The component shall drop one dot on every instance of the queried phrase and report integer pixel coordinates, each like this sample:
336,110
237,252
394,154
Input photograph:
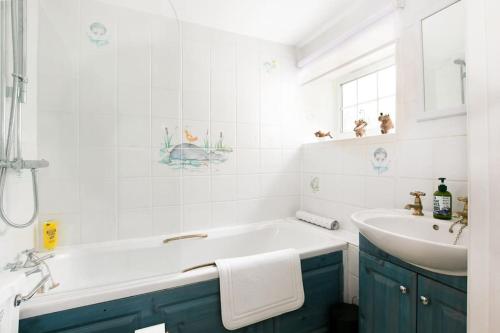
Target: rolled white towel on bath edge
321,221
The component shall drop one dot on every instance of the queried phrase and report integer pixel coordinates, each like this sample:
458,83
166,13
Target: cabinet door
387,297
441,309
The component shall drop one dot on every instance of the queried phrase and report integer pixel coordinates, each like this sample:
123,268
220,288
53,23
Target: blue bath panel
195,308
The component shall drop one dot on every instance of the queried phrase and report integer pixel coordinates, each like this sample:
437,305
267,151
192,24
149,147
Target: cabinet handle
403,290
424,300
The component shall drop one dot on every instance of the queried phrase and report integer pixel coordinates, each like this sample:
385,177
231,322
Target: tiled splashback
340,178
139,147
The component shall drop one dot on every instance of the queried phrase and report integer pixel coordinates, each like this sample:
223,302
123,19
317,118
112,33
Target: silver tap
33,264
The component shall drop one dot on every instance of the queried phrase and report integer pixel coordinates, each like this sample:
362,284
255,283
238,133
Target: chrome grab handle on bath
403,290
198,266
424,300
171,239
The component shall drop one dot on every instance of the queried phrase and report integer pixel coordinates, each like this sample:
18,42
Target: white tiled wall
103,110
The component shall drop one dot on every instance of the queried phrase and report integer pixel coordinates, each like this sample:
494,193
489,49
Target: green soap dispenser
442,202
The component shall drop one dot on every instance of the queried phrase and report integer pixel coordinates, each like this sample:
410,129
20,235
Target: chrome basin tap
417,205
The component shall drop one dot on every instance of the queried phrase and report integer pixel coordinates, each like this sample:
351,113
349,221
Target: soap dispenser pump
442,202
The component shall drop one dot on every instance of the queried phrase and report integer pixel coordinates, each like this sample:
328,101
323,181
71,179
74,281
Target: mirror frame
428,115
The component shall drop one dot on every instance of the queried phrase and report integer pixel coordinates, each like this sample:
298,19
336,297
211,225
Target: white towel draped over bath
259,287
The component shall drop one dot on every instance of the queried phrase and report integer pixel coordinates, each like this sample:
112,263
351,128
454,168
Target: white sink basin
415,240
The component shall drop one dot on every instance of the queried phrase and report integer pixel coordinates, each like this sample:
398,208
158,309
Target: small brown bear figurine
360,127
385,123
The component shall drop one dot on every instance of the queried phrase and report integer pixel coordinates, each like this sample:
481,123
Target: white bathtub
91,274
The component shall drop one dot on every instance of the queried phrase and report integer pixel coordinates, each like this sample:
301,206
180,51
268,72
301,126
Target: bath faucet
32,260
417,205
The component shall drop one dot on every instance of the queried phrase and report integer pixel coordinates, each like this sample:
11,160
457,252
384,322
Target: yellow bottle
50,238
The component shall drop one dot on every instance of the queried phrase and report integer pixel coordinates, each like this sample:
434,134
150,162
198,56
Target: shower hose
11,156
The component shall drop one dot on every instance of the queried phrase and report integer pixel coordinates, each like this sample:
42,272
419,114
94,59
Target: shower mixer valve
24,164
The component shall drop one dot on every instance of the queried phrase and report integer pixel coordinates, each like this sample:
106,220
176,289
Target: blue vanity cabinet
441,309
396,297
387,296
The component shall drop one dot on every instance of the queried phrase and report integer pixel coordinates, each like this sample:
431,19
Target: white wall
103,113
483,71
19,197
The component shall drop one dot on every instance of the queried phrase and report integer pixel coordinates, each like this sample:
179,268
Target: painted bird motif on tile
190,137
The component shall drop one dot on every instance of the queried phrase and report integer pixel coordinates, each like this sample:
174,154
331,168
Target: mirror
443,41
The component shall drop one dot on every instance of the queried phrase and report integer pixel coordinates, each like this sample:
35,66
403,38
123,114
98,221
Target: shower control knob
403,290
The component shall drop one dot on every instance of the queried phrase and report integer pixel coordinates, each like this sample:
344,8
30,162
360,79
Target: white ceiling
285,21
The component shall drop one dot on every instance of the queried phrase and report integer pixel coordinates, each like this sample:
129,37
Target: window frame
353,76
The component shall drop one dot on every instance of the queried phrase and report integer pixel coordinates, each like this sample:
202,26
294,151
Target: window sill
348,138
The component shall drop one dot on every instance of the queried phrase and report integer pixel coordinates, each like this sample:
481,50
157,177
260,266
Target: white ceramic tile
224,214
249,211
133,162
165,103
135,223
248,187
330,187
167,220
379,192
276,184
196,189
134,193
224,188
97,163
97,130
196,217
196,105
98,226
133,131
58,196
270,136
291,160
355,161
133,98
352,190
248,160
223,96
450,158
166,191
49,96
248,135
97,195
415,158
271,160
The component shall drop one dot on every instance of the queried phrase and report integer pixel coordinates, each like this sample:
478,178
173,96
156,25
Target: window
366,97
